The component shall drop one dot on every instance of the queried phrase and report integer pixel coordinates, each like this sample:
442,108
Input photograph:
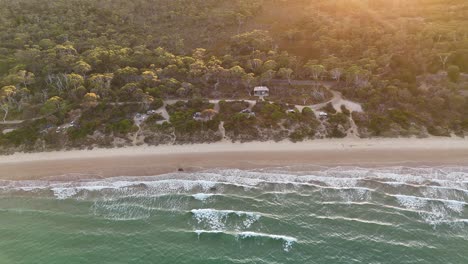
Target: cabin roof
261,88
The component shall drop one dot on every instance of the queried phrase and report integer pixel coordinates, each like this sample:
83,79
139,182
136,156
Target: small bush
329,109
124,126
345,110
338,119
438,131
157,103
336,133
154,118
308,114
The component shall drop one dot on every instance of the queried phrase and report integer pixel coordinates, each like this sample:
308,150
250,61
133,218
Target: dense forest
84,73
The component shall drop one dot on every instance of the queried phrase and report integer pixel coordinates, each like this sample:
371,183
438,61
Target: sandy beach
145,160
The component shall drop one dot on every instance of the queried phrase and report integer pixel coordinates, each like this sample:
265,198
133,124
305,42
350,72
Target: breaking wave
287,241
217,219
438,195
303,214
202,196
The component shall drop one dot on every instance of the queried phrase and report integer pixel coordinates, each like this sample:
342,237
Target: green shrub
336,133
85,128
345,110
227,109
27,134
400,117
157,103
338,119
453,73
378,124
438,131
154,118
308,114
328,108
123,127
296,136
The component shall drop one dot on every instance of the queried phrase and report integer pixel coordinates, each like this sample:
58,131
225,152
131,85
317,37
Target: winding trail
11,122
222,130
19,121
138,120
163,112
135,136
337,101
353,131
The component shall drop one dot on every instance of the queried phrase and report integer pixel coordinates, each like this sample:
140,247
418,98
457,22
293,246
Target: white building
323,115
261,91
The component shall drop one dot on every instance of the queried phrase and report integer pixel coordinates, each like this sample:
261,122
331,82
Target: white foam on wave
322,182
400,175
359,194
199,232
417,200
64,190
121,211
452,184
255,178
64,193
411,202
393,183
288,241
397,208
436,211
429,189
454,187
455,206
346,182
342,218
400,178
216,219
460,221
345,171
202,196
331,181
205,181
457,224
186,185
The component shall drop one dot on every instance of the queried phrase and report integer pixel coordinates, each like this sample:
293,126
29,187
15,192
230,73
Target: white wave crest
64,190
409,199
121,212
437,211
349,184
202,196
341,218
287,240
411,202
216,219
199,232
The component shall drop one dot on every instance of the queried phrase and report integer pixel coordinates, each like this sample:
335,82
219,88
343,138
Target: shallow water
285,215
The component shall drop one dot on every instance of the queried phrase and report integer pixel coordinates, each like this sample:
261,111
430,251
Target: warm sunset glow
233,131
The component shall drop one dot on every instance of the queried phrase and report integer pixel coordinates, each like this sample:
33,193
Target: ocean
305,214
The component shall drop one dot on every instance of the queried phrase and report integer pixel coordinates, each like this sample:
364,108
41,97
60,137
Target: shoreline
155,160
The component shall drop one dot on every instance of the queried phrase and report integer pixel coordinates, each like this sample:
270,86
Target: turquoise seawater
286,215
